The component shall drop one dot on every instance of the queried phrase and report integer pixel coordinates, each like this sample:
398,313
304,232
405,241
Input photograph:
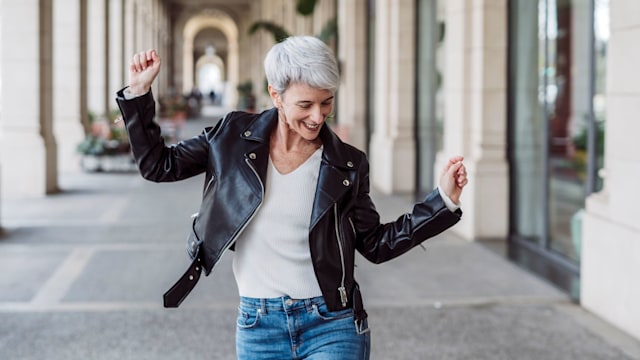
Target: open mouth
312,126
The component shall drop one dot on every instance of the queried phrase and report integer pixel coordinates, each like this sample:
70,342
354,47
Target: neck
288,140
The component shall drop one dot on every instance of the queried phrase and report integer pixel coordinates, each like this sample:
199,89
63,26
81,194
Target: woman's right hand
144,68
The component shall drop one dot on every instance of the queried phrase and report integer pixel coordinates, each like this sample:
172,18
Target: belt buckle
361,326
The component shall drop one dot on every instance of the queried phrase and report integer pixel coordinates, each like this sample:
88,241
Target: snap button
247,133
349,164
190,277
346,182
252,156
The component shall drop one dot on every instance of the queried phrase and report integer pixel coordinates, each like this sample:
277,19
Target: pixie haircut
301,59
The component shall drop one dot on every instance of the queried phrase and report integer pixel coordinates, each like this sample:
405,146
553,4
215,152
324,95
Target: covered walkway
82,274
84,257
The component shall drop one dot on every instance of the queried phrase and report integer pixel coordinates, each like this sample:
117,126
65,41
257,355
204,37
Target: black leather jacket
234,156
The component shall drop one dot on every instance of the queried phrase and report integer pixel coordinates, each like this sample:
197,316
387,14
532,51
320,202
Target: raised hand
144,68
454,178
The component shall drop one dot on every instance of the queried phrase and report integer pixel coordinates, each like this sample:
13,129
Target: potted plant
106,146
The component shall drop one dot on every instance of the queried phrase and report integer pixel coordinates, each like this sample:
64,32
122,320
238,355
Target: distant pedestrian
291,200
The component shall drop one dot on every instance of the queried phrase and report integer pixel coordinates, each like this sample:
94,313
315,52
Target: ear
275,97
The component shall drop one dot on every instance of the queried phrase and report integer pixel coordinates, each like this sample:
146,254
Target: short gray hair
302,59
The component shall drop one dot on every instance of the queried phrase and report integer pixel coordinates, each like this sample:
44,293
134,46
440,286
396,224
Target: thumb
453,169
153,60
154,56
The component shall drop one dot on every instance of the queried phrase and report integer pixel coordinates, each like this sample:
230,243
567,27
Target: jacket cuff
448,202
129,106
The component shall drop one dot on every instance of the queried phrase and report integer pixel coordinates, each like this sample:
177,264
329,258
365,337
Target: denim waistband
284,303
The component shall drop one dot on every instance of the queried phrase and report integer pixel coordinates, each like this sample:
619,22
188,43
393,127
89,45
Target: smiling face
303,108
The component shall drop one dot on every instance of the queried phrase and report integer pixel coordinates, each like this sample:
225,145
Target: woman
291,199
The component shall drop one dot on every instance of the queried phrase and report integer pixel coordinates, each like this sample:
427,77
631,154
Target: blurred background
538,95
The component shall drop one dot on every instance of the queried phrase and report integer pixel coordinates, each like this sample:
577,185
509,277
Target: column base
609,256
28,167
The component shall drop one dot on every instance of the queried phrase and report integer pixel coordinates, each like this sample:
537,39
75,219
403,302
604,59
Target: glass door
556,114
429,91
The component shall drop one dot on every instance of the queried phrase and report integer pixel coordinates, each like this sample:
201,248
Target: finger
139,61
453,169
155,58
453,160
135,63
143,60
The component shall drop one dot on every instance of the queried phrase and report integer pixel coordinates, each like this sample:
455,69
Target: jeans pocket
322,312
248,318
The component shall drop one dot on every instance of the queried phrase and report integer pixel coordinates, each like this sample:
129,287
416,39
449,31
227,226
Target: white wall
611,231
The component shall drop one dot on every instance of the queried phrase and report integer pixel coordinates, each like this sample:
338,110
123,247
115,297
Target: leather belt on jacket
181,289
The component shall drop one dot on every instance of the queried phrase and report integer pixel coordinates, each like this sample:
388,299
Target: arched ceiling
234,8
211,37
210,2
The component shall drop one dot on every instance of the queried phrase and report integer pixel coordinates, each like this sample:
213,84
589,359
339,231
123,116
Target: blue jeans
284,328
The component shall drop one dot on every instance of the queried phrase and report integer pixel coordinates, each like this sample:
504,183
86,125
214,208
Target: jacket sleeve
382,242
156,161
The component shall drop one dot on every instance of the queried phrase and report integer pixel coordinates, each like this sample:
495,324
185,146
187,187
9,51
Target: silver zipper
235,236
213,177
353,227
342,290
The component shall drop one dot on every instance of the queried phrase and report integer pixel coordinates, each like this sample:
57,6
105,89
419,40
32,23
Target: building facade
537,95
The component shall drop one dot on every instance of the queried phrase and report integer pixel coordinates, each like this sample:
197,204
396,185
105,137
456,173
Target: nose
316,115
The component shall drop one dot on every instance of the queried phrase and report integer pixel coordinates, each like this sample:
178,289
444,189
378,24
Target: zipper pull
343,295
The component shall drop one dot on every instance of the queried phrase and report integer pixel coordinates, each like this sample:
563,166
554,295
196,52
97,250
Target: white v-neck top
272,257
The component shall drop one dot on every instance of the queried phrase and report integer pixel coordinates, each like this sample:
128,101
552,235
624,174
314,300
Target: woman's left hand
454,178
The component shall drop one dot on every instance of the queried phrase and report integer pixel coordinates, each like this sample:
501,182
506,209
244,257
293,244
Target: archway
224,23
210,79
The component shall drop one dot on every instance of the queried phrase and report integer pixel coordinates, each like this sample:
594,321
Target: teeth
311,126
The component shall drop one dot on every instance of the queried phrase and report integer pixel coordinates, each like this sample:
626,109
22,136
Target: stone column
352,53
261,42
164,50
129,32
475,121
138,23
393,144
116,50
187,63
323,13
233,69
27,143
611,231
97,55
68,127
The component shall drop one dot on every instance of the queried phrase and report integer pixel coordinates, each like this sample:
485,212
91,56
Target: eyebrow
309,101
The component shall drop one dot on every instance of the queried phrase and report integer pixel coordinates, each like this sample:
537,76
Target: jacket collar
335,152
259,129
337,170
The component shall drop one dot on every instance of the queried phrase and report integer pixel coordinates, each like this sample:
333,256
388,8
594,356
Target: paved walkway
82,274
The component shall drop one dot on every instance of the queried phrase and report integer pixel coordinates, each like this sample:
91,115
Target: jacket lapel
337,169
336,177
257,133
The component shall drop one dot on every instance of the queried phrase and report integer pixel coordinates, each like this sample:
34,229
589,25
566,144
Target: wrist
138,90
449,201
